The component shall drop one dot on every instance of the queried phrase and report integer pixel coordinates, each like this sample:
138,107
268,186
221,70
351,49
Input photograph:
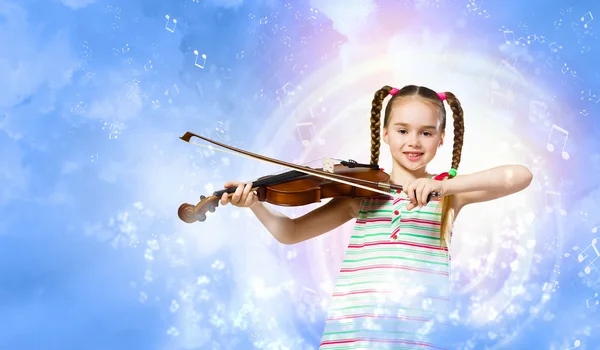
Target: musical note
583,93
220,132
522,41
306,131
317,109
307,304
288,86
226,73
589,14
550,286
554,47
567,255
174,24
587,301
309,297
173,91
550,147
511,39
576,344
196,61
113,134
582,256
285,94
557,24
537,109
549,208
504,78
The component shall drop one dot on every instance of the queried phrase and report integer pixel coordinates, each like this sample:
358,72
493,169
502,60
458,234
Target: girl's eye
426,133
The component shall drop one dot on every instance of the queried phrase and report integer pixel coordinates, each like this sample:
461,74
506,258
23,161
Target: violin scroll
190,213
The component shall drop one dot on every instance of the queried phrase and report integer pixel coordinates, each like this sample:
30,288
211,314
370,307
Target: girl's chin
412,165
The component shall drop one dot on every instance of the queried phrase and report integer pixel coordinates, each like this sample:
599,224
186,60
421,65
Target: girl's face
413,133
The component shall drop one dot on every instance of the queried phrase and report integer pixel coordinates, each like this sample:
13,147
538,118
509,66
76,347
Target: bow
310,171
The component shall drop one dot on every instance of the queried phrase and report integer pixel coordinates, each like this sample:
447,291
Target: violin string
211,147
392,186
331,177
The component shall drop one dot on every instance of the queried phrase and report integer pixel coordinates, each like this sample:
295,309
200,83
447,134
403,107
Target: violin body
295,188
311,189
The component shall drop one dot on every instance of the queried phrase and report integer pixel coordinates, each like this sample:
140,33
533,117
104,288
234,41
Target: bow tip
187,136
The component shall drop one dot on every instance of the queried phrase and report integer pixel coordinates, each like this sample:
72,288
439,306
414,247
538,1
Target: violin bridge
328,165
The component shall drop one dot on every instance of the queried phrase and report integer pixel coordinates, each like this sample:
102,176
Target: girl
393,286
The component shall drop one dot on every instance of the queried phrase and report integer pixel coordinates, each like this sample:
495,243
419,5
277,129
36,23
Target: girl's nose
413,140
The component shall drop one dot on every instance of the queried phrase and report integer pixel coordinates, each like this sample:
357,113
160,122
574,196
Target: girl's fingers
425,194
224,199
237,195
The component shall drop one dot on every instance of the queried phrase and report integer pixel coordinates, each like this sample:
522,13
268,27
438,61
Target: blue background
96,93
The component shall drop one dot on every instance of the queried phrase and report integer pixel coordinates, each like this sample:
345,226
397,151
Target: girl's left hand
419,190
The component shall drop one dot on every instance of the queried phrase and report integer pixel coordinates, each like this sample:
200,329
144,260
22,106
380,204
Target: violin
300,186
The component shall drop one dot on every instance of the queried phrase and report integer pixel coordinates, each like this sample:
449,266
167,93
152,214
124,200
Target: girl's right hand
243,196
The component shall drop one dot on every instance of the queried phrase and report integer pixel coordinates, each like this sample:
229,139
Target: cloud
227,3
77,4
123,101
353,21
349,19
33,60
33,69
70,167
14,176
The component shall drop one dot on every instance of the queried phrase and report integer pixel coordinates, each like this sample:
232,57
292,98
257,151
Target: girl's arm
487,185
286,230
323,219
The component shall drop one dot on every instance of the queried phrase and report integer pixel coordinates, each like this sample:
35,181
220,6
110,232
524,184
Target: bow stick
337,178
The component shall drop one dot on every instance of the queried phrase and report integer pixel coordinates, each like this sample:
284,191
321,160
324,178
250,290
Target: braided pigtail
459,130
376,106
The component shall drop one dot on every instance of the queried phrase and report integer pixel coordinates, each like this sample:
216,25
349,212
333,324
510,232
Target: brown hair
428,96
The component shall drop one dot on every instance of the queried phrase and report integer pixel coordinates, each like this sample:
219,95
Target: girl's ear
385,136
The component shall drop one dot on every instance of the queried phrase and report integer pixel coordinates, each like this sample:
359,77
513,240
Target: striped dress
392,291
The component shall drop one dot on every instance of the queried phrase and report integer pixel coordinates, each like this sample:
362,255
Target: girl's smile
413,157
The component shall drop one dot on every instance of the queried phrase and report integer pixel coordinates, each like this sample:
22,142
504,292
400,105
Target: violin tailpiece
353,164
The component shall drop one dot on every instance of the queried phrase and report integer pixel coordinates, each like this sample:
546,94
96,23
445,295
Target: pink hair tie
442,96
393,91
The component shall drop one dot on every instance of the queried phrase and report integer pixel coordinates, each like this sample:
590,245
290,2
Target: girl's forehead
412,106
415,114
